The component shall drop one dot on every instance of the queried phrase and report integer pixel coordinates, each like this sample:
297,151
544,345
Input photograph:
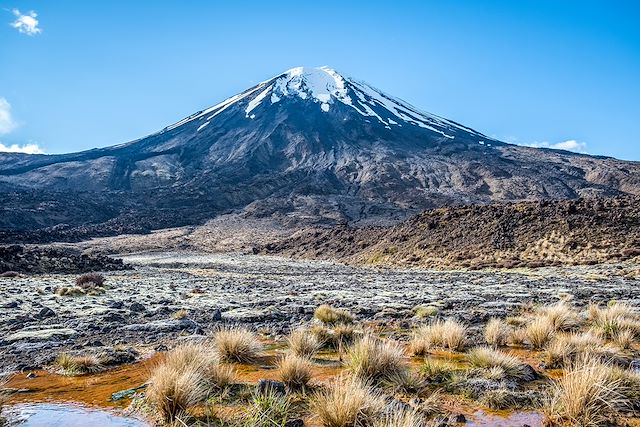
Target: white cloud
26,24
7,124
26,149
569,145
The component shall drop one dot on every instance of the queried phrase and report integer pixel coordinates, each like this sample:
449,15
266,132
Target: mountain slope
309,145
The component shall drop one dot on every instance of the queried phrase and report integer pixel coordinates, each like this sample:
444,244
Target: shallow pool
66,415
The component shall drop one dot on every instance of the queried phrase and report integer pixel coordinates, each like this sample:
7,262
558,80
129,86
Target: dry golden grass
561,316
624,339
332,316
347,402
588,395
448,334
294,371
371,358
539,332
173,390
496,332
407,382
566,348
76,365
500,365
401,418
439,371
180,314
615,318
304,343
234,344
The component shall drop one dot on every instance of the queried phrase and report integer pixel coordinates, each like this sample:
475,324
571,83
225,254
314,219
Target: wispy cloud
26,23
568,145
7,124
26,148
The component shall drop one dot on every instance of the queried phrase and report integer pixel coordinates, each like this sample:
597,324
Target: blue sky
76,75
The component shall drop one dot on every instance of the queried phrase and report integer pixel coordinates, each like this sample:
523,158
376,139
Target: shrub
347,402
512,367
448,334
373,359
332,316
539,332
587,395
496,332
294,371
89,280
237,345
77,365
304,343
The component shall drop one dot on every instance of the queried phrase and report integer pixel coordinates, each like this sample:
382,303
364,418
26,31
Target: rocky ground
268,293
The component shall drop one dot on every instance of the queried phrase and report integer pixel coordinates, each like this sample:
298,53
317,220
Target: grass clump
496,332
407,382
588,395
422,312
267,410
614,319
448,334
235,344
186,377
371,358
332,316
71,365
347,402
180,314
304,343
509,366
294,371
401,418
540,331
439,371
561,316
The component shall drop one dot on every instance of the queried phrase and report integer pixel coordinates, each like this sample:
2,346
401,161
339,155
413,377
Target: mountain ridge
307,146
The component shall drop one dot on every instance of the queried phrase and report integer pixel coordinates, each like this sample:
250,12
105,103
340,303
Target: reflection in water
66,415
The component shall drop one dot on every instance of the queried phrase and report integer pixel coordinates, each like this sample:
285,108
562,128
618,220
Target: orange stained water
92,390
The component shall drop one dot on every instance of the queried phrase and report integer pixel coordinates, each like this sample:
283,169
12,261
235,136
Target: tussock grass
180,314
540,331
448,334
615,318
438,371
561,316
187,376
510,366
517,336
234,344
294,371
371,358
347,402
173,390
565,349
304,343
624,339
77,365
268,410
401,418
332,316
407,382
588,395
496,332
336,337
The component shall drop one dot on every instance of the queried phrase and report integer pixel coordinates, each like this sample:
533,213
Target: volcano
307,146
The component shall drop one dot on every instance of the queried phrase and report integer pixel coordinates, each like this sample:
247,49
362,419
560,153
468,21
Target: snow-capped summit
325,87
